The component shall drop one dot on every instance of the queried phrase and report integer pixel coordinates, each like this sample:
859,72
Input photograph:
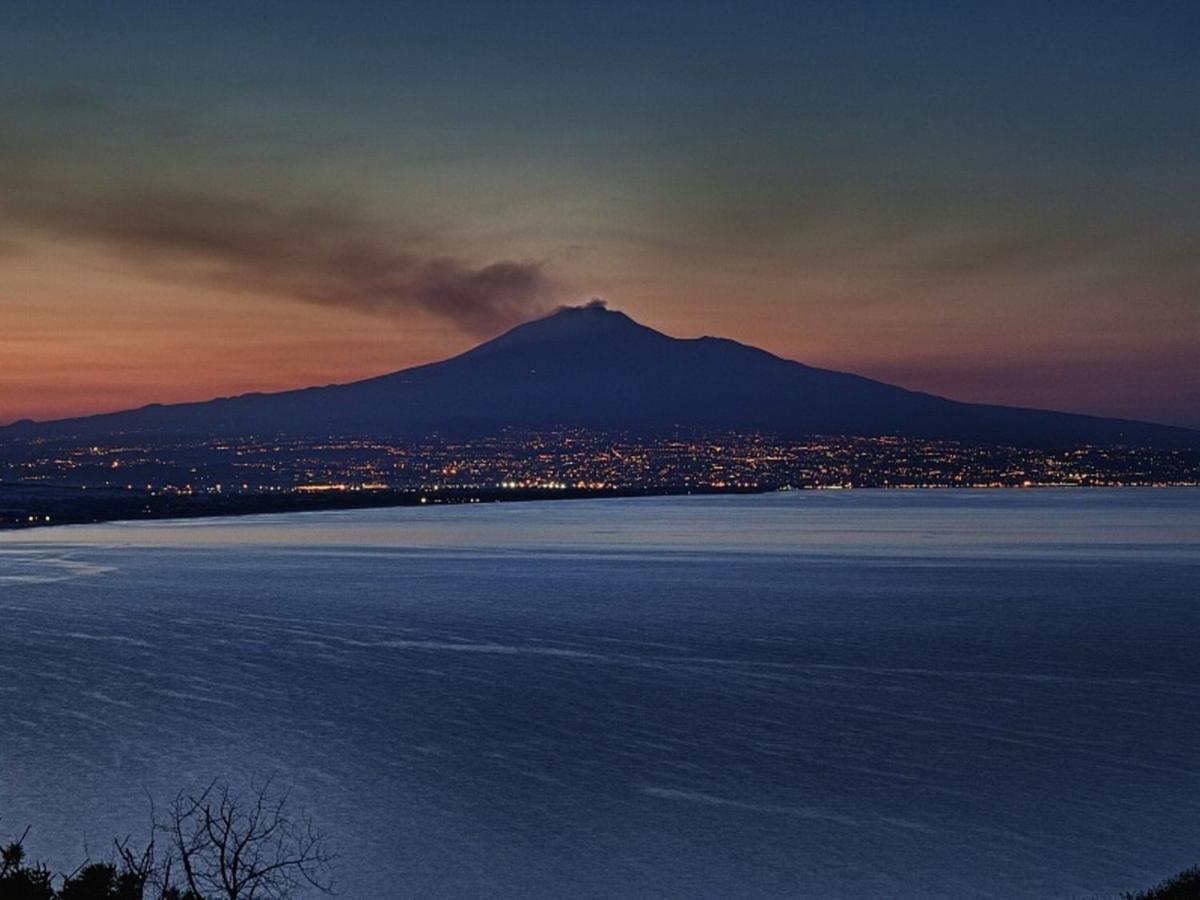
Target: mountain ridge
592,367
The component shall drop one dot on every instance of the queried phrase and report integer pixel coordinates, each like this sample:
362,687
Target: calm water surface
854,694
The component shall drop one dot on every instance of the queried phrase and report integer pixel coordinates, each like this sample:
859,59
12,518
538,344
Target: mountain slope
594,368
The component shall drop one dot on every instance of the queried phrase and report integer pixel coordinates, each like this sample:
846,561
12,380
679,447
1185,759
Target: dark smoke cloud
69,166
318,254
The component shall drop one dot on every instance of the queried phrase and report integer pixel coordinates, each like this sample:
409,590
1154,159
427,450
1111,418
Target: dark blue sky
992,201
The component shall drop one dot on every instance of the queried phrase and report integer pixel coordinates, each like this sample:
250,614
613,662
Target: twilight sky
991,201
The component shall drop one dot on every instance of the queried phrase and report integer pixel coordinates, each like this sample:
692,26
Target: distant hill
595,368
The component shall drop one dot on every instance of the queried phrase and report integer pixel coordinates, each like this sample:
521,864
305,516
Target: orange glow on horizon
86,335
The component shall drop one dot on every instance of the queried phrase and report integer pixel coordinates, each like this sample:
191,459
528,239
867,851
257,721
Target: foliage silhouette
1184,886
220,844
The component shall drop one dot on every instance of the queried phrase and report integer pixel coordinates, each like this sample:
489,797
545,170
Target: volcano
595,368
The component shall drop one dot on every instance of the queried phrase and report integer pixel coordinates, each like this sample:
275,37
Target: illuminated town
39,477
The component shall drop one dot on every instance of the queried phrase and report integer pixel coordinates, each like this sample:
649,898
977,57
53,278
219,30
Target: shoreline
80,508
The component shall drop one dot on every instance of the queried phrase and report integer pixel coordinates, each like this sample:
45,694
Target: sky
989,201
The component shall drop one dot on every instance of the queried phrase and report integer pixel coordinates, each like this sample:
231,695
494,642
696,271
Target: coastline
82,508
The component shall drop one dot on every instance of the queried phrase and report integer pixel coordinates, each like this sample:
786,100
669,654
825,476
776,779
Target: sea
842,694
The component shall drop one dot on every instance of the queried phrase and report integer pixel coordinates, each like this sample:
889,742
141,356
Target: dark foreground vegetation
212,845
1184,886
221,845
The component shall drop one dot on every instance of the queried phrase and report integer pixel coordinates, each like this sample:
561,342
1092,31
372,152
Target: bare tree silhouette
250,847
220,844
